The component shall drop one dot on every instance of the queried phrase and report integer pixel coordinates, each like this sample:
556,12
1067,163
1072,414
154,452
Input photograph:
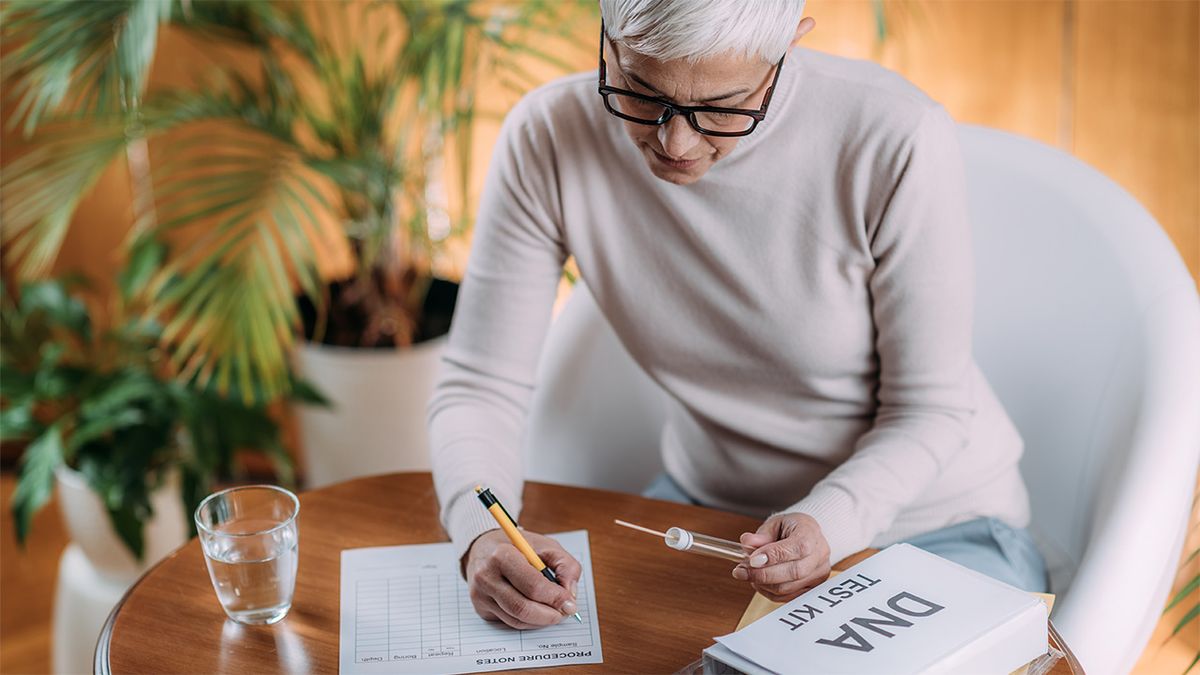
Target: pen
509,526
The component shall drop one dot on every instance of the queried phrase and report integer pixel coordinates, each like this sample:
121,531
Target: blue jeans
986,545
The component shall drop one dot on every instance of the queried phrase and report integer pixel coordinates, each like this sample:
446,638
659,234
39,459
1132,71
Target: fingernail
574,585
568,608
758,560
740,574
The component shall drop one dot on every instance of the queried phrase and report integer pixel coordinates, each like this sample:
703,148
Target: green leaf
36,481
227,301
54,383
282,462
51,299
881,27
303,391
51,356
128,520
65,56
145,258
42,188
95,429
1188,589
120,392
136,43
193,489
1187,618
1193,554
16,420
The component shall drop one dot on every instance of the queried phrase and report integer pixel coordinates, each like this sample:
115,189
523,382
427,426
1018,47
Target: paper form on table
405,610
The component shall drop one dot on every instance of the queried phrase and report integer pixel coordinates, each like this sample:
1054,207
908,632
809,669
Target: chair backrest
596,416
1064,277
1088,328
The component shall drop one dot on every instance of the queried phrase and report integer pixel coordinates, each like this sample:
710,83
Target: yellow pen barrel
514,535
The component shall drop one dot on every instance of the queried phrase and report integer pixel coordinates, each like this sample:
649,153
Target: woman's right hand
505,587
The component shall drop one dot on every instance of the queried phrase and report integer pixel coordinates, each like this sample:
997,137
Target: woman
779,238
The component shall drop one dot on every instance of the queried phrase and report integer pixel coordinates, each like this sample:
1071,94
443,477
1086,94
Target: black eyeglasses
707,120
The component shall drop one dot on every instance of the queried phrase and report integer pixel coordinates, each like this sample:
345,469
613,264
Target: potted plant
346,127
1188,589
133,449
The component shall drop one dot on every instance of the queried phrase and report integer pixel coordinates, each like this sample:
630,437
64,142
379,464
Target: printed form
405,610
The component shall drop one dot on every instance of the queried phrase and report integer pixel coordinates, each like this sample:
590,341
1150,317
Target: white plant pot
377,420
96,568
92,531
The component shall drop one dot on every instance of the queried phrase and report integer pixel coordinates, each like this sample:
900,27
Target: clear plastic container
703,544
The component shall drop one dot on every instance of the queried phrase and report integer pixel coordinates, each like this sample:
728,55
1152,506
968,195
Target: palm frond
242,209
137,39
41,190
238,171
257,23
1188,588
72,60
1191,615
78,58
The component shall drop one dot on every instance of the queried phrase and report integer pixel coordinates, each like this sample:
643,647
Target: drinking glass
250,544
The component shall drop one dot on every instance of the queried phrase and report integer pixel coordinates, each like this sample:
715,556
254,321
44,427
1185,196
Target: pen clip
489,499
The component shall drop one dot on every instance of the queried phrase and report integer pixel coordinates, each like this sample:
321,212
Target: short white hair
696,29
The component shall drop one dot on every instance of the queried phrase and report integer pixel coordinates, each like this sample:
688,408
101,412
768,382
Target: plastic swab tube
694,542
702,544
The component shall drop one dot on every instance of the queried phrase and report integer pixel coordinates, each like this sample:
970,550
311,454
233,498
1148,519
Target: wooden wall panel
844,27
1115,82
1136,118
1137,107
998,63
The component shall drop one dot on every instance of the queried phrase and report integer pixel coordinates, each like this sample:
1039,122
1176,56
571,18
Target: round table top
659,609
655,618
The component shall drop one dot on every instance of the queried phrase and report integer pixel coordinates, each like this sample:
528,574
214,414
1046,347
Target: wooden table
656,615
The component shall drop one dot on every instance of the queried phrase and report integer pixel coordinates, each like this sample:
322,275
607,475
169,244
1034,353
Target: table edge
100,654
1057,639
101,663
102,666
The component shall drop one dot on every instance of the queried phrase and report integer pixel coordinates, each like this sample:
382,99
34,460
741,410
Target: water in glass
250,543
254,579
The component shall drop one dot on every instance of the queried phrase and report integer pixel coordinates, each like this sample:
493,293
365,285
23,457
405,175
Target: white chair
1088,327
596,416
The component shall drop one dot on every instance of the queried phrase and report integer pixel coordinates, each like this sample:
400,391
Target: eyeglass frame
688,112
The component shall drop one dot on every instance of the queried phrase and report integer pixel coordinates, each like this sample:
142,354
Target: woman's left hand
790,556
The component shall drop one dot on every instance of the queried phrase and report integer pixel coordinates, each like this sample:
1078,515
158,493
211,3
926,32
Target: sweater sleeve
921,292
476,415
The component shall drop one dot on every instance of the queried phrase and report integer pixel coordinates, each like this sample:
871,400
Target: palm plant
100,400
1189,589
337,130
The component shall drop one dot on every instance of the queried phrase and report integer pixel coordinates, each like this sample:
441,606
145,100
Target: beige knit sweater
807,304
